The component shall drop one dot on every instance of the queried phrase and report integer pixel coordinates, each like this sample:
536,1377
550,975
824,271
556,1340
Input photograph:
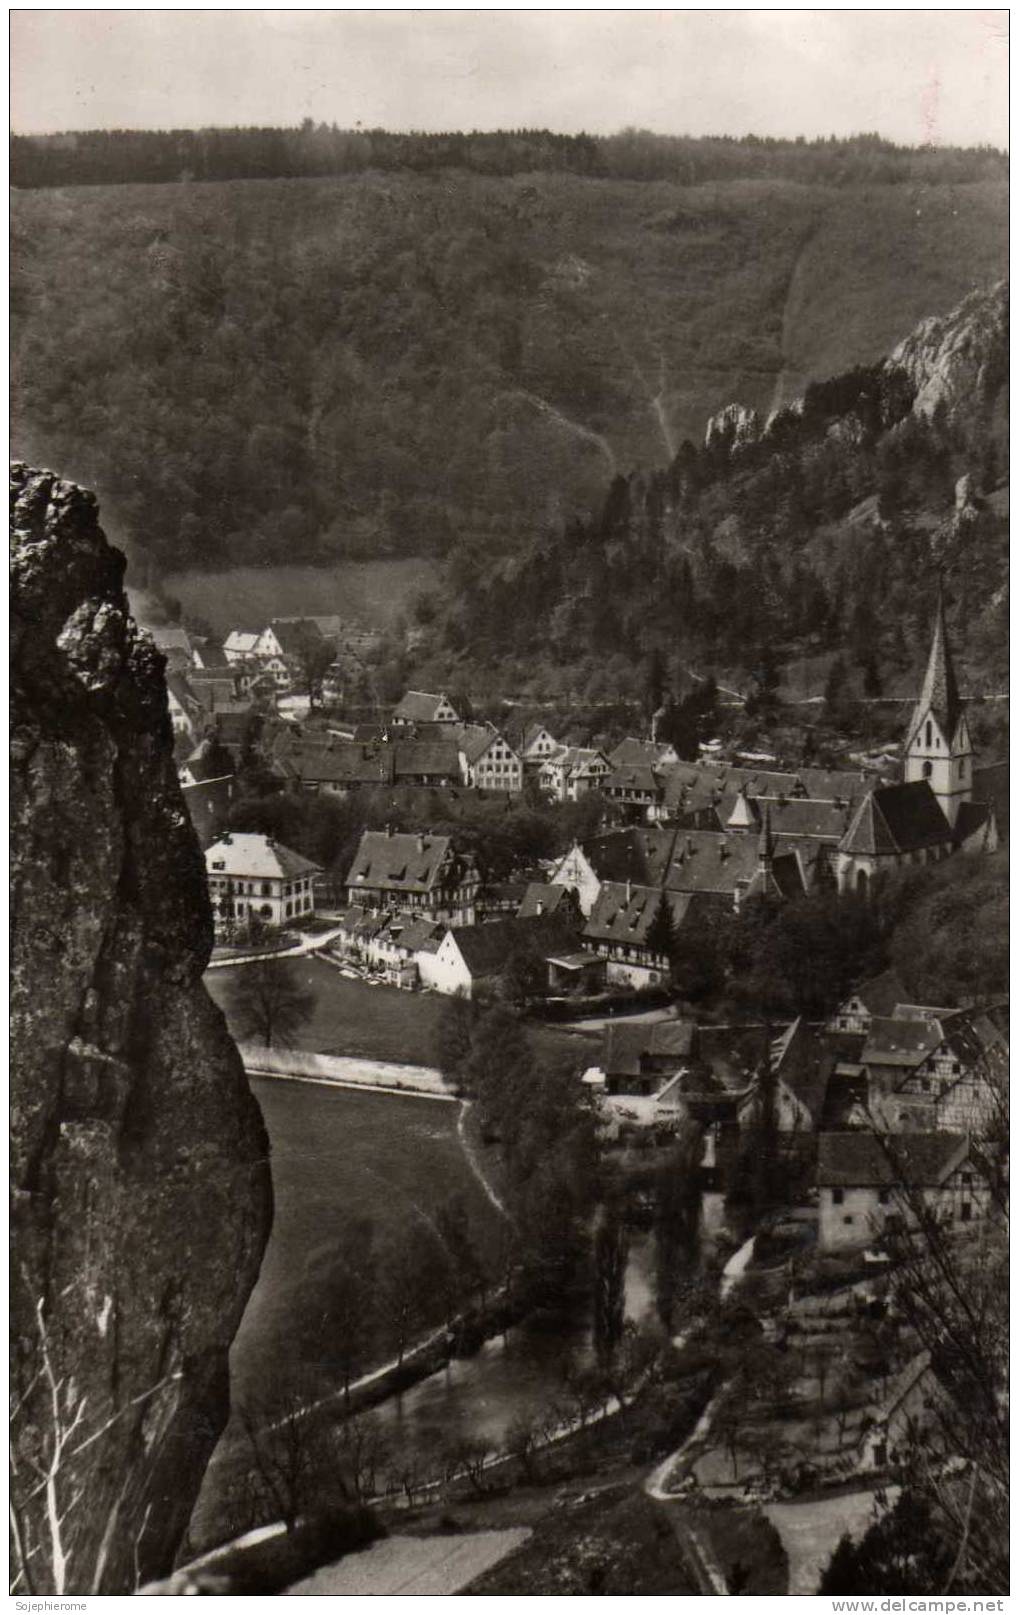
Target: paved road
428,1566
810,1532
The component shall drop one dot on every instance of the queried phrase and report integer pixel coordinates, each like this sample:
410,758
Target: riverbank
343,1071
353,1019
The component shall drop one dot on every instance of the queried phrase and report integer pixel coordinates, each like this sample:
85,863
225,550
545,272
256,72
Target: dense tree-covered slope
824,530
168,156
389,362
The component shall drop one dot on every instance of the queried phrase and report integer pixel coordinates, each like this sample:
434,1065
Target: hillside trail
730,1276
790,309
585,433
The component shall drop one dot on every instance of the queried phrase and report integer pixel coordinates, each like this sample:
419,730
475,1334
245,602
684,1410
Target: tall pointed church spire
938,747
939,696
765,841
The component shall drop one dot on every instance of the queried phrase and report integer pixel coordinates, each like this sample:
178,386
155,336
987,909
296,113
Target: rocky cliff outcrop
140,1163
734,427
960,359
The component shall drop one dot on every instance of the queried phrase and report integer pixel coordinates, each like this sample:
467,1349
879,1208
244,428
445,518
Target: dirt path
470,1156
810,1532
429,1566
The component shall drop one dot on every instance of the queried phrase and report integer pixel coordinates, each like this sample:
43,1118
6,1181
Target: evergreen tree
611,1251
902,1552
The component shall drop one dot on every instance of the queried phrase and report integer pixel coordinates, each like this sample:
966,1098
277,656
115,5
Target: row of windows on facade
965,1211
256,888
884,1195
230,910
621,950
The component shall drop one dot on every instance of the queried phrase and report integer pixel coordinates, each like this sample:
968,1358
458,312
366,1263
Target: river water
481,1396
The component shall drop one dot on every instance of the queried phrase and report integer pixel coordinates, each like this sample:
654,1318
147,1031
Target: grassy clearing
381,1023
374,593
337,1155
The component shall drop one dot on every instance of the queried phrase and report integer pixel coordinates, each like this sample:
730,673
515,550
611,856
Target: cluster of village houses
678,839
715,836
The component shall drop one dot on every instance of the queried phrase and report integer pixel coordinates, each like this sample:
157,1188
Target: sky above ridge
912,76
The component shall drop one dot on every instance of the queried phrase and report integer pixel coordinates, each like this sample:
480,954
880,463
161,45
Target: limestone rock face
735,424
140,1175
960,359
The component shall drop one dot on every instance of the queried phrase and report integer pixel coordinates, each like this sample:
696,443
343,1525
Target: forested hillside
397,362
822,532
127,156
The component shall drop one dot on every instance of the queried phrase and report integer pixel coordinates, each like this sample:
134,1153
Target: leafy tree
268,1003
902,1552
289,1444
676,1218
836,700
655,693
611,1251
465,1266
315,656
524,976
953,1293
452,1037
410,1266
949,938
801,956
661,936
871,677
348,1326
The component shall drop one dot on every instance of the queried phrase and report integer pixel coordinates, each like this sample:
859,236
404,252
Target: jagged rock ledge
140,1176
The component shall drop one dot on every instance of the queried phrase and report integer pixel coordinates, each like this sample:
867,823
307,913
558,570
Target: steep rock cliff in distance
959,360
140,1177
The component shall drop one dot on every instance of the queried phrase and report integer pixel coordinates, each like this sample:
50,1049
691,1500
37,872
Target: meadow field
337,1156
380,1023
373,593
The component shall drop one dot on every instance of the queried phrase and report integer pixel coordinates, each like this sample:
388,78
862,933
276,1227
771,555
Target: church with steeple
938,747
931,814
720,836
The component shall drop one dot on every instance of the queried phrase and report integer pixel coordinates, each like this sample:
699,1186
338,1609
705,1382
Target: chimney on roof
689,846
723,850
421,843
629,892
541,905
389,830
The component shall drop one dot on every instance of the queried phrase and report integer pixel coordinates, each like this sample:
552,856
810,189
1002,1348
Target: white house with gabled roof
239,644
487,760
537,746
425,706
253,876
570,772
